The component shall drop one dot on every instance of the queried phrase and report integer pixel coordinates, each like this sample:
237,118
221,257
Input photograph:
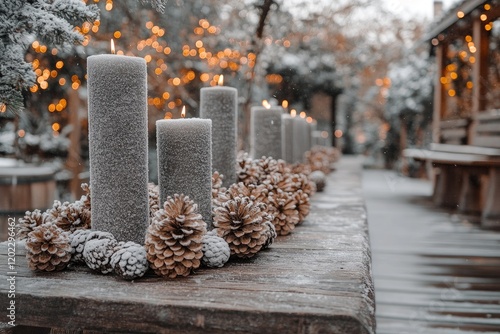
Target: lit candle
265,131
300,135
185,161
313,125
220,104
287,124
118,145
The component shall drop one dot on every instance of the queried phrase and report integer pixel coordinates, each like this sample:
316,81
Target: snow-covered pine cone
216,251
78,240
282,206
174,238
86,197
303,204
154,199
241,222
302,182
98,250
300,168
247,170
129,260
217,184
270,232
69,216
48,248
30,220
256,193
280,181
319,179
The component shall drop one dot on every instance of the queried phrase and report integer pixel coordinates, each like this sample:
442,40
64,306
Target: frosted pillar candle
118,145
300,133
313,126
185,161
287,122
220,104
265,132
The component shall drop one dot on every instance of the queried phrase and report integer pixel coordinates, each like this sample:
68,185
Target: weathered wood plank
318,280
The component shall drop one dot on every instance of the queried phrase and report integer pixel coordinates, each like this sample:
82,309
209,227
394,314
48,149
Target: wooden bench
317,280
467,176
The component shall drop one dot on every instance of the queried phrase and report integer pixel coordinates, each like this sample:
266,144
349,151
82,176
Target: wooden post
479,73
439,92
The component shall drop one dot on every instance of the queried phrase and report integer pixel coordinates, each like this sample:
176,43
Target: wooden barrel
24,188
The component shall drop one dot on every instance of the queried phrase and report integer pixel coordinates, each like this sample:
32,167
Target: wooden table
317,280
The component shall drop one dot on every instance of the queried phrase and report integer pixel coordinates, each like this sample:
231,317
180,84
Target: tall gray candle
313,125
118,145
220,104
300,133
185,161
265,132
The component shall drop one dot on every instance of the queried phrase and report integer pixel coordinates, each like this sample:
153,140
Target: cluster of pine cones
270,199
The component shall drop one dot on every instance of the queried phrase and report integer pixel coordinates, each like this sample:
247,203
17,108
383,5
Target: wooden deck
434,271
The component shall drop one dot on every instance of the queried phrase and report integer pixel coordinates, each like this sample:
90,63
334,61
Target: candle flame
266,104
220,82
183,112
112,46
309,119
284,104
302,114
293,112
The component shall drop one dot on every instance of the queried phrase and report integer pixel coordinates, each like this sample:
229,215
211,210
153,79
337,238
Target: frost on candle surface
118,146
265,132
184,161
220,104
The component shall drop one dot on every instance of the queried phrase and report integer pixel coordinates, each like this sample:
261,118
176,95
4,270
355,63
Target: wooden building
466,43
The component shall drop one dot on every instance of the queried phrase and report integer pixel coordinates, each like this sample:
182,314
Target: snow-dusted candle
287,122
313,125
220,104
185,161
265,132
300,134
118,145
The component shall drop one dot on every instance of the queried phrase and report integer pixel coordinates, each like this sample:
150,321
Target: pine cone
241,223
174,238
85,199
300,168
303,183
256,193
217,184
270,232
318,161
303,204
129,260
216,251
319,179
282,206
277,181
247,170
30,220
48,248
78,240
154,199
70,216
98,250
267,165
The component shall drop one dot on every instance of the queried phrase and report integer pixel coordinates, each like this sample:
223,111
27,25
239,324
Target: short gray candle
185,161
300,133
220,104
265,132
118,145
287,122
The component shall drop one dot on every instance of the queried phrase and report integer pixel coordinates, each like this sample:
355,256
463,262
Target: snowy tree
20,22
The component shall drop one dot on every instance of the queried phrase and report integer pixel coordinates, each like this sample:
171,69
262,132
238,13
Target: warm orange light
302,114
284,104
309,119
220,82
21,133
293,112
460,14
183,112
337,133
266,104
56,126
112,46
3,108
